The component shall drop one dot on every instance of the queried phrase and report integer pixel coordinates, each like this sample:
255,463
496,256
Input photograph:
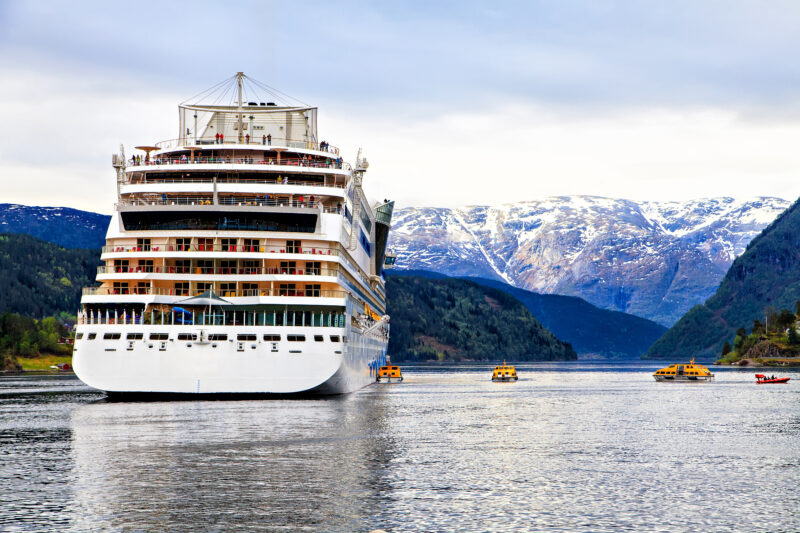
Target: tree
726,349
741,332
794,337
758,327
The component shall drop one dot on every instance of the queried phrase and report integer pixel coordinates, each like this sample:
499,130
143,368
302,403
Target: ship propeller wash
242,257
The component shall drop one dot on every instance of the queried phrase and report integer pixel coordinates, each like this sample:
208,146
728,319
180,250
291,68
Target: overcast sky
454,103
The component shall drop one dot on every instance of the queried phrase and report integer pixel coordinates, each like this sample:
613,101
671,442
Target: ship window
296,338
288,267
142,287
187,336
246,337
319,338
251,245
159,336
313,290
287,289
182,289
228,289
111,336
146,265
205,245
294,247
121,265
143,245
218,337
120,287
203,287
229,245
91,336
134,336
79,335
183,245
183,266
249,289
334,338
313,268
272,338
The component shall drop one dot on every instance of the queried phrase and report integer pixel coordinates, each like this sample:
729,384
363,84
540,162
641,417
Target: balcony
255,271
242,201
164,291
227,248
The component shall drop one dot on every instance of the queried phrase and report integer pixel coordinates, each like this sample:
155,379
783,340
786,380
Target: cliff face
766,275
652,259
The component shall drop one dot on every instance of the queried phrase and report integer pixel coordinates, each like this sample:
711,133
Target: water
570,447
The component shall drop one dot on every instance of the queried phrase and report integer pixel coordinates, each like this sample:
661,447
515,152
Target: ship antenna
239,76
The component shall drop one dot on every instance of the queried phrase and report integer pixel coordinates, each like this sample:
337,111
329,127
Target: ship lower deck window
272,338
187,336
111,336
91,336
218,337
319,338
245,337
296,338
334,338
159,336
134,336
79,336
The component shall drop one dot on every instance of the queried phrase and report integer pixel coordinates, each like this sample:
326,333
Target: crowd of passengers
303,160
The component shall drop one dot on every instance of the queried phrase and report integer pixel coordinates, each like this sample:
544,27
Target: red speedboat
761,379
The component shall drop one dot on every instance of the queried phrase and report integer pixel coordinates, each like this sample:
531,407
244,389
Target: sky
453,103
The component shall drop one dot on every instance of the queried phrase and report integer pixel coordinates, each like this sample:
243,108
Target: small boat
684,372
389,373
64,367
504,373
762,379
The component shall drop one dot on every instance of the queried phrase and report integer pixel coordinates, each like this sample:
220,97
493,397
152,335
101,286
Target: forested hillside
39,279
453,319
765,276
590,330
71,228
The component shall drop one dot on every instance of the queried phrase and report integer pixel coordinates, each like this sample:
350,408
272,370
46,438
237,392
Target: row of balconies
139,178
228,244
265,159
297,201
228,290
217,270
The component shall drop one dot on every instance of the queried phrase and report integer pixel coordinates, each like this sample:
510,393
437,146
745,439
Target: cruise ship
242,258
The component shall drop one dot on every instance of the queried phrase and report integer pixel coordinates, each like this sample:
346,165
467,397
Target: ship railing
231,248
242,201
256,140
178,178
241,293
206,317
185,160
255,271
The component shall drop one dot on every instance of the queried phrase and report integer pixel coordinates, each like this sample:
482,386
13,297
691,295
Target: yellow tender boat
684,372
504,373
389,373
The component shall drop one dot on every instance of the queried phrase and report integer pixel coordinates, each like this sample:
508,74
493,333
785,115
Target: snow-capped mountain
652,259
70,228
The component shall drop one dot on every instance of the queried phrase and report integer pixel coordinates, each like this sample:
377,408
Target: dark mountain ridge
766,275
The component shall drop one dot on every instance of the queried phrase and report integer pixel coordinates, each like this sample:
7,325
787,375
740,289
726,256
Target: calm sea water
570,447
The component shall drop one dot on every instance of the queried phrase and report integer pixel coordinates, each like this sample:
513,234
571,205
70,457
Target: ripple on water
567,448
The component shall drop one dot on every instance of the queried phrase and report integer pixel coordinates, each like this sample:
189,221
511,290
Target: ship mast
239,76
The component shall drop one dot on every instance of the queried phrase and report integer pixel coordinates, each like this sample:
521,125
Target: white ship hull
173,367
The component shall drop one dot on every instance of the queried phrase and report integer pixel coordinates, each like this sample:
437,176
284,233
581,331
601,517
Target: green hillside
766,275
39,279
453,319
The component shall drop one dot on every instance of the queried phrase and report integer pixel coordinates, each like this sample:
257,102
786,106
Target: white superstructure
241,258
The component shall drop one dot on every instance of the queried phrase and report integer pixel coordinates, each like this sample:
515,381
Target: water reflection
293,464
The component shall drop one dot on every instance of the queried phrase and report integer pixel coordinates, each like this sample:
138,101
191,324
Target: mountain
42,279
454,319
70,228
651,259
766,275
590,330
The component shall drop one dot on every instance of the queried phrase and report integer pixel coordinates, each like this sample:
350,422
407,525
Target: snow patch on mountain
654,259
